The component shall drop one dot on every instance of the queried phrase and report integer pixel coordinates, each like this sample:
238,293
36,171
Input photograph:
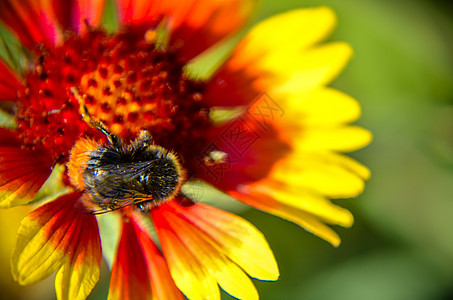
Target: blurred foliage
401,245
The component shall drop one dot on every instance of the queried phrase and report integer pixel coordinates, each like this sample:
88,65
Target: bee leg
113,139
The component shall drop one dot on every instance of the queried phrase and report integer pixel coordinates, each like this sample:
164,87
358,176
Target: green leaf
7,120
12,51
53,187
110,230
110,17
221,115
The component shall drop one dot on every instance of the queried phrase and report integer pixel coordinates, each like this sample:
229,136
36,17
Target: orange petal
223,270
191,277
9,83
237,238
162,284
57,236
129,278
80,272
74,14
32,21
200,251
22,171
195,25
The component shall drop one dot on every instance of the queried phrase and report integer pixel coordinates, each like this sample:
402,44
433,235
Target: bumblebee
119,174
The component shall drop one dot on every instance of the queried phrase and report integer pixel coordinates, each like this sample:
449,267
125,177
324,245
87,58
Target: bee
117,174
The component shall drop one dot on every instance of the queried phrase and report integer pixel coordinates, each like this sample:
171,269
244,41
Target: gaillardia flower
132,127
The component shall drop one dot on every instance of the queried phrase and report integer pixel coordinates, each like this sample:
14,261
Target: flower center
124,81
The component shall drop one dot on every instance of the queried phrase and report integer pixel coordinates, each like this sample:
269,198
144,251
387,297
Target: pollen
124,81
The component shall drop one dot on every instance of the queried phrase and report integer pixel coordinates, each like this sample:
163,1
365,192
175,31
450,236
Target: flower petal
80,271
48,238
341,138
349,164
227,274
273,52
221,258
9,83
74,14
162,284
32,21
297,187
188,272
290,213
252,148
295,29
320,107
22,171
238,239
129,278
195,25
305,200
232,87
319,173
297,70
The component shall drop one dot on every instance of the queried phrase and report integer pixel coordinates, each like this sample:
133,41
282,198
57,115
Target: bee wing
124,173
116,186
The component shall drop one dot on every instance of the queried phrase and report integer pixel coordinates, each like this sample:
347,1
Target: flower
263,128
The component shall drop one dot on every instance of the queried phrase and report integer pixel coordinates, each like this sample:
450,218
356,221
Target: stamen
121,83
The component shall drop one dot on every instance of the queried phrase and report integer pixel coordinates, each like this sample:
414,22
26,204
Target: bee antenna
83,110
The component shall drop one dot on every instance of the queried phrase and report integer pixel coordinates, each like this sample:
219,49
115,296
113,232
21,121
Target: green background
401,245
